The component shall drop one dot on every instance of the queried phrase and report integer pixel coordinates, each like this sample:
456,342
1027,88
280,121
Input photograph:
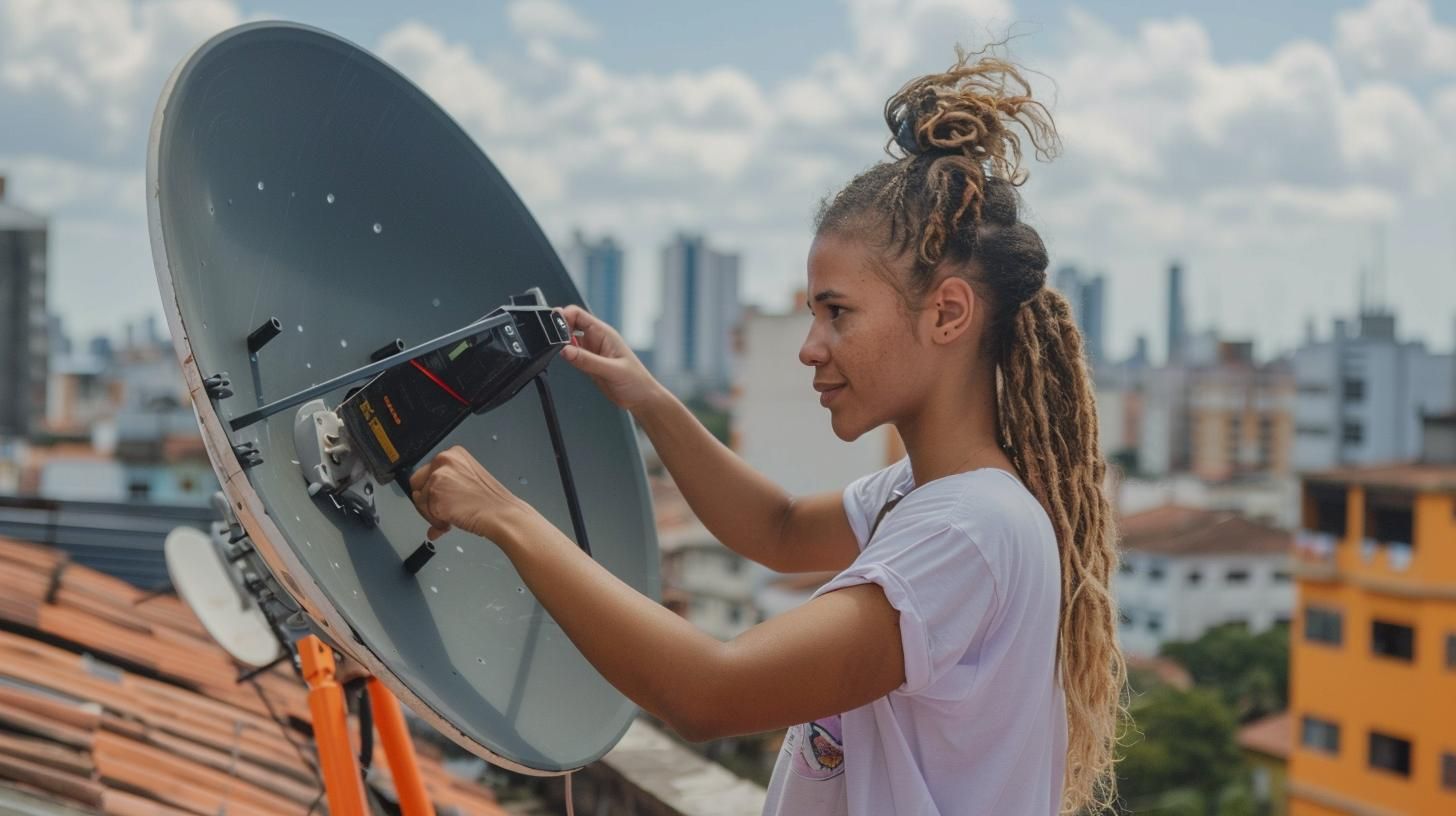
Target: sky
1275,149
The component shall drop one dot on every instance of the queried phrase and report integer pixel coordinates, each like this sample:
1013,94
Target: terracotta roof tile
112,702
1270,735
1167,671
1176,530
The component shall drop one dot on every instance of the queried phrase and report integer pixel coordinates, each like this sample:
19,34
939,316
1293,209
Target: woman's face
861,343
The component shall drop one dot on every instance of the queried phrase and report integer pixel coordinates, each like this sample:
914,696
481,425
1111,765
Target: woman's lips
827,396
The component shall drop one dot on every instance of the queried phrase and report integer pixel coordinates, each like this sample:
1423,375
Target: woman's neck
955,431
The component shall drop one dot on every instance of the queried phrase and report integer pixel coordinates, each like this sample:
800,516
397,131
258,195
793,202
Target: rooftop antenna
1378,294
352,285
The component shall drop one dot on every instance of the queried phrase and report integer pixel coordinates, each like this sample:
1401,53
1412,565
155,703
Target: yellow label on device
378,428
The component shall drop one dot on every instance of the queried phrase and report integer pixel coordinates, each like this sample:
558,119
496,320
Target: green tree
1183,754
1250,672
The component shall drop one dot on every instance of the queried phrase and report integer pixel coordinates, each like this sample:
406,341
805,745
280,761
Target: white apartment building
1185,571
706,582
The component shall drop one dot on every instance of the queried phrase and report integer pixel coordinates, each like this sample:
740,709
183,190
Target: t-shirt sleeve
860,499
939,581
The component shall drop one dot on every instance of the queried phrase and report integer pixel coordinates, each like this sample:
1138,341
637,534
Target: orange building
1373,652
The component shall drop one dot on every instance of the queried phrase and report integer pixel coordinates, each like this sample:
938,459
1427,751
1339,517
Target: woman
962,660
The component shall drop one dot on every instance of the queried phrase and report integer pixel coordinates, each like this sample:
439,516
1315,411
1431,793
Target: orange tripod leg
342,782
399,751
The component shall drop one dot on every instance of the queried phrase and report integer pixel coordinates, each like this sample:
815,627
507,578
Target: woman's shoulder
993,508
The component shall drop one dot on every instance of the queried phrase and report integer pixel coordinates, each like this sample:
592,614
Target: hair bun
972,109
909,116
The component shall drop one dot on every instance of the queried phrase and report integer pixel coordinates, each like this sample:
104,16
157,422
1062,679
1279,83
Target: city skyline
1263,150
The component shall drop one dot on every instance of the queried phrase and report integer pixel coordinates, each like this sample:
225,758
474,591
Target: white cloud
1246,167
1396,38
50,184
548,19
453,76
100,59
1157,111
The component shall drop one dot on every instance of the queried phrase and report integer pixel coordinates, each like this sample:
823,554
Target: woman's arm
740,506
837,652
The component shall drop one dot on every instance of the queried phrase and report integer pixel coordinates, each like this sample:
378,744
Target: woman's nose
813,352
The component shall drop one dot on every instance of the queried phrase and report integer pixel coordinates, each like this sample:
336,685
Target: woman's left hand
454,490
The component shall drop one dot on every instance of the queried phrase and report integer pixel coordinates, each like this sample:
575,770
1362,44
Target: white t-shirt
979,727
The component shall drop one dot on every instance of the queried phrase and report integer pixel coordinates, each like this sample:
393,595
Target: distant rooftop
1176,530
1407,476
1269,736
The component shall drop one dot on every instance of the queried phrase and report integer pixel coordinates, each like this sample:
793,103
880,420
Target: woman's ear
950,310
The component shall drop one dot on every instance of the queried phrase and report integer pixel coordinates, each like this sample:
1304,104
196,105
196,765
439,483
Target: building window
1324,509
1354,390
1393,640
1126,568
1281,576
1155,572
1352,433
1312,430
1320,735
1124,618
1448,771
1195,578
1237,575
1389,753
1451,651
1155,622
1389,517
1322,626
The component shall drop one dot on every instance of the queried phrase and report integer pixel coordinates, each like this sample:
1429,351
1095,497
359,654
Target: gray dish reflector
292,174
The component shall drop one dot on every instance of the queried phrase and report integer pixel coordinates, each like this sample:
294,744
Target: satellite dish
312,212
211,588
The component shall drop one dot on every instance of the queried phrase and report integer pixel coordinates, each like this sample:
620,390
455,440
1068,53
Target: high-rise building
23,319
1360,395
1085,295
1177,317
693,350
596,268
1373,651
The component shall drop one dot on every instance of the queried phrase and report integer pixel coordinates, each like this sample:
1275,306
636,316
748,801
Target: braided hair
948,202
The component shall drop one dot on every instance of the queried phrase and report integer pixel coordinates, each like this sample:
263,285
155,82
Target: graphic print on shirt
816,748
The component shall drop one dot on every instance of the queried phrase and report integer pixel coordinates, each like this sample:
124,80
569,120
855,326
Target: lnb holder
383,429
403,414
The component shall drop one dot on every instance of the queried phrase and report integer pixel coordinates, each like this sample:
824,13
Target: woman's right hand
604,356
